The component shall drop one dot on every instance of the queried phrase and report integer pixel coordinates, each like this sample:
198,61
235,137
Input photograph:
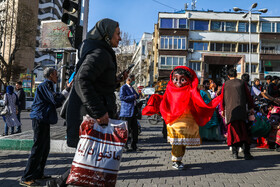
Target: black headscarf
103,30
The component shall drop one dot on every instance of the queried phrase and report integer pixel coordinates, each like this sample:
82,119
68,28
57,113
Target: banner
54,36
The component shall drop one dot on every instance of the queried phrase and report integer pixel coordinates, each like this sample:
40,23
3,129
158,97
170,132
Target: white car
28,103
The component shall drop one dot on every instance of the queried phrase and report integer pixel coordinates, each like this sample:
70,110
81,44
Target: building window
173,42
170,62
182,23
268,27
165,23
244,48
199,25
278,27
244,27
169,23
202,46
224,47
143,49
223,26
253,68
195,66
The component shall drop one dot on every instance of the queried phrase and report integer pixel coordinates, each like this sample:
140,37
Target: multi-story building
142,60
207,41
18,19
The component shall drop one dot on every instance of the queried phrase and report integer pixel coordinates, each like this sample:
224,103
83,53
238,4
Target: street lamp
249,12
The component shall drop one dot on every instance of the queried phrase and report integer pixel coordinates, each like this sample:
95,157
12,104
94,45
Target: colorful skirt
184,131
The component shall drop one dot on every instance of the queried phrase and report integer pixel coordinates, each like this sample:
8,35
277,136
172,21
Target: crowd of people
191,113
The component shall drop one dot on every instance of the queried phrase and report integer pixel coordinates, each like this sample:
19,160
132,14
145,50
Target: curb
57,146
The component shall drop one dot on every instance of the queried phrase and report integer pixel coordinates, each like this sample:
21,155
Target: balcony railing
270,51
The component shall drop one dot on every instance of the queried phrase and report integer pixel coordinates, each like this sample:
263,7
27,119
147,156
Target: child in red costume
183,110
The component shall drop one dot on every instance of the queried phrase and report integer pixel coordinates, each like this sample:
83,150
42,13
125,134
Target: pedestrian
273,88
183,110
268,81
211,130
94,83
128,112
236,96
21,102
11,101
43,114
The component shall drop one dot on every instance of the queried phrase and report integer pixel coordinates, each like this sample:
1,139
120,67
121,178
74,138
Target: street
208,165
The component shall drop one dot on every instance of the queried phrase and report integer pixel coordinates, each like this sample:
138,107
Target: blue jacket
127,101
45,103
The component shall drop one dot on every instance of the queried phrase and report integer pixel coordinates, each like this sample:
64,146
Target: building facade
18,19
208,41
142,60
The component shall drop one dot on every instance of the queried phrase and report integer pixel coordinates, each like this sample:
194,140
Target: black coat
21,99
94,86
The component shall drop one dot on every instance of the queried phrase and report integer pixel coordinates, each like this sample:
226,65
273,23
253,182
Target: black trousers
39,152
132,129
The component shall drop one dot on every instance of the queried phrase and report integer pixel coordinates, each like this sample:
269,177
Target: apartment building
207,41
142,60
18,20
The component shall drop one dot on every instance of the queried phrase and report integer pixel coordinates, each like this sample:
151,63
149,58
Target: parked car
28,103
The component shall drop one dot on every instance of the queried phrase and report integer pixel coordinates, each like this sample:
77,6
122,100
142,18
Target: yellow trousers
178,151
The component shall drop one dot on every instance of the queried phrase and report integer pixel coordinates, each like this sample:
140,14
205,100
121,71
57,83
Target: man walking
21,99
129,110
236,95
43,114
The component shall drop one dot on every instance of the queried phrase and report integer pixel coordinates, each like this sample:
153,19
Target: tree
124,52
20,32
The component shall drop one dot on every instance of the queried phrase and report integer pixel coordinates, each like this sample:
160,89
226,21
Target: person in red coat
183,110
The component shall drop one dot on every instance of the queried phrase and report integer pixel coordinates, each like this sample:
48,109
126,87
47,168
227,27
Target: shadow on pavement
260,163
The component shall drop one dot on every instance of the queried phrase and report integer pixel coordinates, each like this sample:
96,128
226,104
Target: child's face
179,80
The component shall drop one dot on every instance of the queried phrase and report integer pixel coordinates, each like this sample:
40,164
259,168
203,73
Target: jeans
18,117
39,152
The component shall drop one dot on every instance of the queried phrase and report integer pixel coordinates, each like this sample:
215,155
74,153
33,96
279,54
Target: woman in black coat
95,81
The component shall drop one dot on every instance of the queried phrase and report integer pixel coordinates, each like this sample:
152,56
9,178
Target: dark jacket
21,99
127,101
45,103
94,86
236,96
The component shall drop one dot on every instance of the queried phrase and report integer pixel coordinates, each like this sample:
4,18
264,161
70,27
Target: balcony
270,54
274,51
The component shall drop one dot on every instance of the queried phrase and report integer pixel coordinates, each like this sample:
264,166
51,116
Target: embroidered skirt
184,131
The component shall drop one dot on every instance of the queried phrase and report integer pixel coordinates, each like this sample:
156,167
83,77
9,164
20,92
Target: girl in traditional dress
183,110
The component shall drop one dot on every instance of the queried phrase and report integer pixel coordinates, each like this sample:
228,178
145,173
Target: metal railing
270,51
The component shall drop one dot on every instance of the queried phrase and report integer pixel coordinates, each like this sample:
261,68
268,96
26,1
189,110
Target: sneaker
29,183
178,165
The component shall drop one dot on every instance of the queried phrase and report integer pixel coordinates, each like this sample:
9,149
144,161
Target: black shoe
29,183
12,133
18,132
235,156
4,134
248,157
52,183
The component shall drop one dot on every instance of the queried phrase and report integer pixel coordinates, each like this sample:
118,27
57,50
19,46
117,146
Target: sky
138,16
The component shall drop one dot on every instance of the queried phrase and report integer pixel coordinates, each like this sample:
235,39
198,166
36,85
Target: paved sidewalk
207,165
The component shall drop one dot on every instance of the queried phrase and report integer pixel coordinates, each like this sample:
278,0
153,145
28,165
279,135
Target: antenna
186,6
193,4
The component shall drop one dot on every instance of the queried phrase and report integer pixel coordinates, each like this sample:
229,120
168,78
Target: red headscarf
177,101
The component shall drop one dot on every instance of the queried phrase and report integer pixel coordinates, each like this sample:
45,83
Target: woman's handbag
5,111
98,155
